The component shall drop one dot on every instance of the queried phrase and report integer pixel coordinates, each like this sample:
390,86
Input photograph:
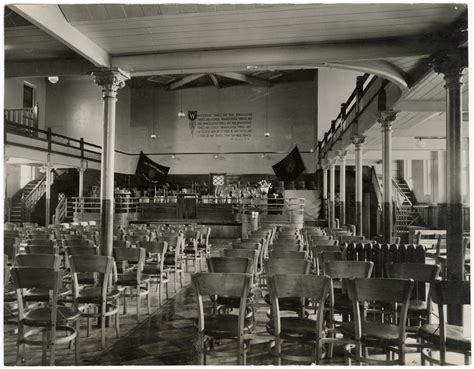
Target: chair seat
223,325
94,295
287,303
294,328
130,279
373,333
39,294
41,317
189,251
455,338
151,269
231,301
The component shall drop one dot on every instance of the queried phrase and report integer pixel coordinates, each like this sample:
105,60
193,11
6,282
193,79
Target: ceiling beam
214,80
246,79
421,106
45,68
184,81
273,58
50,19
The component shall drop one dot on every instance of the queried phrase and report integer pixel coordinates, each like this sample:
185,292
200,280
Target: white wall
13,96
334,88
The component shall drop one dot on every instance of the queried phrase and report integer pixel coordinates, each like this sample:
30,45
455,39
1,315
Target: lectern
187,206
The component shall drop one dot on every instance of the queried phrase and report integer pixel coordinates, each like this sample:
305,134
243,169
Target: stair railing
25,116
32,198
377,188
60,211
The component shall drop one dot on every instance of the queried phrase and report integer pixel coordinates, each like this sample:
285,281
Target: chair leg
138,303
89,323
181,278
148,303
102,324
277,360
159,293
20,350
117,319
52,346
175,280
44,347
76,342
167,290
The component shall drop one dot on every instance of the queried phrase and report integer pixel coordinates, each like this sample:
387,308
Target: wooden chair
203,245
230,265
10,248
78,242
243,253
41,249
101,295
190,250
340,303
174,261
40,242
377,333
45,320
297,329
121,243
220,327
419,308
39,235
251,245
155,267
285,254
72,236
445,337
39,260
133,279
286,266
315,251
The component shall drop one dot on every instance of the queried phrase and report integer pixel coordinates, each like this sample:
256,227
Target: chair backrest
134,254
285,254
287,247
40,242
101,265
419,272
10,246
388,290
345,238
39,235
41,249
348,269
153,247
82,250
288,266
315,243
70,237
135,239
82,242
451,292
243,253
173,240
121,243
323,257
38,260
229,265
226,284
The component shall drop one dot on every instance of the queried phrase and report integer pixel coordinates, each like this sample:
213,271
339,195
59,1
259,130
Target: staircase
406,214
23,203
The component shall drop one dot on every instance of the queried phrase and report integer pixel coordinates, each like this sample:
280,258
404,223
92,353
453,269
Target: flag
290,167
150,171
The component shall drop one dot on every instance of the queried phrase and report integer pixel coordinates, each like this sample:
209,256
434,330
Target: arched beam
380,68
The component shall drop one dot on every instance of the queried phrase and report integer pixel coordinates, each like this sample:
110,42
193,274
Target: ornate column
342,187
325,166
110,80
358,141
451,64
386,119
332,193
47,215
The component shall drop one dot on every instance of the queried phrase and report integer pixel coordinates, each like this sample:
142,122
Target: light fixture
181,112
267,132
153,134
263,155
311,150
53,79
420,143
252,67
216,156
173,156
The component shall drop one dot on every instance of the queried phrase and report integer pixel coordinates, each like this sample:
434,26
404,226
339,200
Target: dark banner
290,167
149,171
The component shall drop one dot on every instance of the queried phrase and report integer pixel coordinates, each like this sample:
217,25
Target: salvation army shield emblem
192,115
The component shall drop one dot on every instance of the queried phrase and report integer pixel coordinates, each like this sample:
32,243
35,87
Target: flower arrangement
264,186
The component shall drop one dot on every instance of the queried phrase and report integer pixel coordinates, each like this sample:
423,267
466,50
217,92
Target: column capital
341,154
110,79
358,140
386,118
450,63
325,164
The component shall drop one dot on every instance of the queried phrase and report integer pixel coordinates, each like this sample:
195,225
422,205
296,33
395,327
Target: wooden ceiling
132,29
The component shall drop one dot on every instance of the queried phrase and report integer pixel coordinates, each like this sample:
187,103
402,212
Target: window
217,179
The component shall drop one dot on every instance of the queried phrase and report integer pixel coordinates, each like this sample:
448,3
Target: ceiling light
53,79
252,67
267,134
153,136
216,156
420,143
263,155
173,156
311,150
181,114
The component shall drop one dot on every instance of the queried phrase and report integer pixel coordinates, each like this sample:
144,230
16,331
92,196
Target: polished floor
167,337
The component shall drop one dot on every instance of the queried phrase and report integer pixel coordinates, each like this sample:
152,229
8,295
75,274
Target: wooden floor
167,337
